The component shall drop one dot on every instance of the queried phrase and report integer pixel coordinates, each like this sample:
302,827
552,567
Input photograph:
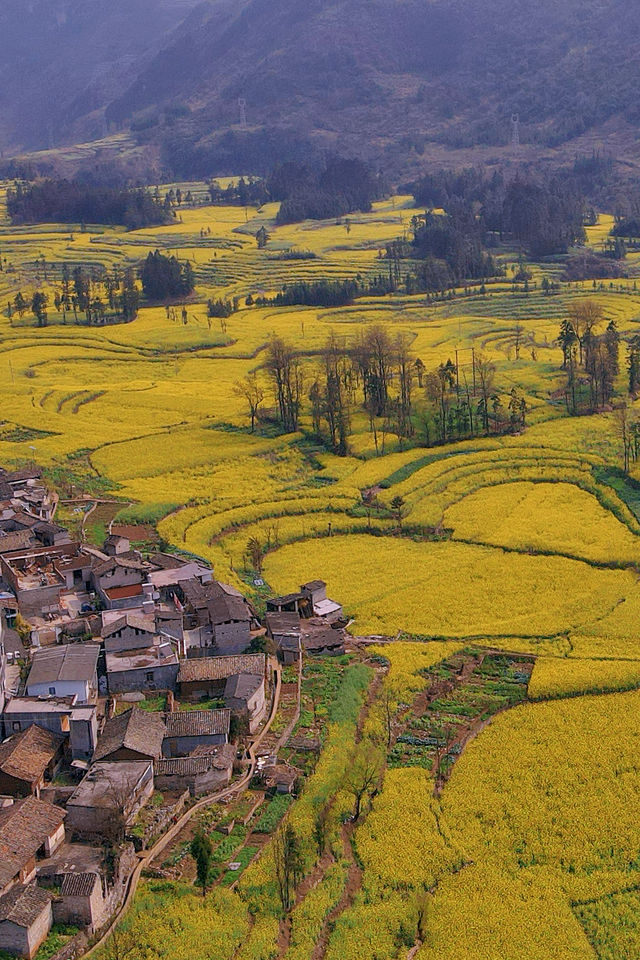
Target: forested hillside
371,73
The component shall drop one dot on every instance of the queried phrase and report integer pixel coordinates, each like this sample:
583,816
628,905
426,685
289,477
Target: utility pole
242,104
515,130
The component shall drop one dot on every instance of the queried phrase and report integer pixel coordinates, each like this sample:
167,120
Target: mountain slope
362,74
453,69
64,59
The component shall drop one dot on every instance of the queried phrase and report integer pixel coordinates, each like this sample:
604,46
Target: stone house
109,797
51,534
59,715
217,615
316,591
150,668
130,631
244,695
81,902
114,545
39,575
30,830
284,628
27,758
197,774
280,778
319,640
204,678
118,581
135,734
26,918
65,671
291,603
189,729
173,572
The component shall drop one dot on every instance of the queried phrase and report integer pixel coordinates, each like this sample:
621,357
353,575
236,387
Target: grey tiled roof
141,731
24,827
79,884
73,661
198,723
23,905
219,668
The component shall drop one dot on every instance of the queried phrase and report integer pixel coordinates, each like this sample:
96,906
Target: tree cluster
90,296
450,248
590,358
221,309
67,201
545,215
243,192
166,278
343,186
329,293
626,226
381,376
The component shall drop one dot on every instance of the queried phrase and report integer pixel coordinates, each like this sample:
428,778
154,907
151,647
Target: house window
16,726
52,691
149,677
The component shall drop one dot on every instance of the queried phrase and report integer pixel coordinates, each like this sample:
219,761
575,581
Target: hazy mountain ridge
372,72
63,60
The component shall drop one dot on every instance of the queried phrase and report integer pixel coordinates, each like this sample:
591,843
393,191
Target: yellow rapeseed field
451,589
553,677
558,518
528,542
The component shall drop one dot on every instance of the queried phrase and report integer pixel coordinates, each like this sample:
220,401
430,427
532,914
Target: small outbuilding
108,799
244,695
197,774
284,629
81,902
25,920
280,778
142,669
205,678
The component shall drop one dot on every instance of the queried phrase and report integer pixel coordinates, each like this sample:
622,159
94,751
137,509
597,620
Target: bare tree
622,423
405,365
485,375
252,393
118,802
585,315
321,829
285,370
336,396
518,334
423,911
255,553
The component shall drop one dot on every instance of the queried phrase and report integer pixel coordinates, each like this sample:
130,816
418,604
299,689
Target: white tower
242,104
515,130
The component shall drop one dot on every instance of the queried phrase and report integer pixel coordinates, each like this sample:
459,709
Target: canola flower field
532,848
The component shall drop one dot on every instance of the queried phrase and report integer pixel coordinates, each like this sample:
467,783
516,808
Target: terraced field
524,543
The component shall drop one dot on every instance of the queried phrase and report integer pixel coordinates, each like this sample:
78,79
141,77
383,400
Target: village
134,687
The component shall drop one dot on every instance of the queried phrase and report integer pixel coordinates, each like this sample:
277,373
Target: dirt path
354,875
351,890
309,883
147,857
